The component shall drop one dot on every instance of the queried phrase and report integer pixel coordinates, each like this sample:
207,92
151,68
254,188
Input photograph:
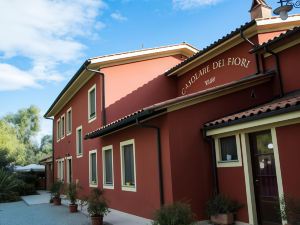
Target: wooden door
264,178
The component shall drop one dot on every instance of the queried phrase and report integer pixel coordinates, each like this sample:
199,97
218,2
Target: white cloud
118,16
47,33
190,4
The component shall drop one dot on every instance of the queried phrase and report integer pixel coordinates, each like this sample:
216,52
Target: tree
46,144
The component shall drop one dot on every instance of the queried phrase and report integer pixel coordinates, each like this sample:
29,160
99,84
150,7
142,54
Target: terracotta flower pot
56,201
97,220
73,208
222,219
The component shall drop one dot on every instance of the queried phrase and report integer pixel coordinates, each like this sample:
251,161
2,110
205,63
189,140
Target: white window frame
68,132
125,187
107,148
90,169
58,130
60,169
68,169
230,163
63,126
89,104
77,147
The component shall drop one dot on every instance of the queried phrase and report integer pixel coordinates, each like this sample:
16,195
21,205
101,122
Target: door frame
68,168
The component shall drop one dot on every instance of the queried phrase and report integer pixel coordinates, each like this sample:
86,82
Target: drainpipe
102,93
211,142
256,55
48,118
159,157
278,70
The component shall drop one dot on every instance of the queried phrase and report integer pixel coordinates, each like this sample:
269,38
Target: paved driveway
19,213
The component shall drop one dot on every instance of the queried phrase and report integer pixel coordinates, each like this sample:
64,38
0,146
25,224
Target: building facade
170,124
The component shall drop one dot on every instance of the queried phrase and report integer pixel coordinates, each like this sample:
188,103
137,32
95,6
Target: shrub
72,192
221,204
175,214
8,184
24,188
56,189
97,205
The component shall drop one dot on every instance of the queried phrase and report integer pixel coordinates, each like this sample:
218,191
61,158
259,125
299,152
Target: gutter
159,158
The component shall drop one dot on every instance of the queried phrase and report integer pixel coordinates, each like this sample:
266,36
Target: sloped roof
278,106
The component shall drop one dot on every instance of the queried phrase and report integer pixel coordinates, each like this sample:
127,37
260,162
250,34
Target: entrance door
69,167
264,178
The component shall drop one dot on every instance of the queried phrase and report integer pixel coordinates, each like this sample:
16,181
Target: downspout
48,118
278,70
102,93
211,142
159,157
256,55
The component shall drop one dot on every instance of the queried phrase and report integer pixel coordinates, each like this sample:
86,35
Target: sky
44,42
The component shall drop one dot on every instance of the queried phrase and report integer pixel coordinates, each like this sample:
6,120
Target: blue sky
44,42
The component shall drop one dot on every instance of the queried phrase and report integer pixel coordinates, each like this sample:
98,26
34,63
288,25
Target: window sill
79,156
91,119
129,188
230,163
93,185
108,186
69,133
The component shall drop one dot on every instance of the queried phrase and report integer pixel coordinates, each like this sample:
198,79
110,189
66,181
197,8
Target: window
79,145
69,121
92,104
58,130
128,165
93,181
108,170
228,151
60,169
62,125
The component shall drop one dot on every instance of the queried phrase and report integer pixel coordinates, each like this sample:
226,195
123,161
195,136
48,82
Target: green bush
221,204
175,214
25,189
56,189
97,205
72,192
8,184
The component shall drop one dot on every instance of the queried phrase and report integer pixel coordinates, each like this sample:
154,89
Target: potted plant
56,191
72,193
290,210
175,214
221,209
97,206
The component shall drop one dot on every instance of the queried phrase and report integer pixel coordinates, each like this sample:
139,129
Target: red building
170,124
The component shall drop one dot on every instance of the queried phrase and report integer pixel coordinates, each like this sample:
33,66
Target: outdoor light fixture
286,6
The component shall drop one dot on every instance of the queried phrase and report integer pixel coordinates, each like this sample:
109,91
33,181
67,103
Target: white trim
77,150
124,187
233,163
68,132
259,124
250,194
277,166
63,126
91,119
58,130
90,169
107,148
60,169
68,169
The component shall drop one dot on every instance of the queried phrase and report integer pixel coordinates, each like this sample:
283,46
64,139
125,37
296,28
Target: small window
108,172
93,181
92,104
228,151
63,122
69,121
79,145
128,166
58,130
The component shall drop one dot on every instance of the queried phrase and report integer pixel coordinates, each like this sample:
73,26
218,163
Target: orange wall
140,83
289,146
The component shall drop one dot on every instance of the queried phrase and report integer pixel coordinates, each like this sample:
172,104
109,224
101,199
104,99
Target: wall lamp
286,6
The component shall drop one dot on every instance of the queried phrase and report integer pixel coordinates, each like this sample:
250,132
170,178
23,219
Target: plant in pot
174,214
221,209
56,190
97,206
72,193
290,210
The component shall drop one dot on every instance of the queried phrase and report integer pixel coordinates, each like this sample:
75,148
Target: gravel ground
19,213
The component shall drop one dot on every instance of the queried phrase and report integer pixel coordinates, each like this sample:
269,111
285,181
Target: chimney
260,9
